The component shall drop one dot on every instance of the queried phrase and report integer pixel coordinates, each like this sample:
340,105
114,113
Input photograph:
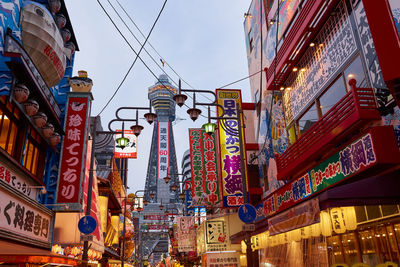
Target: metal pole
90,189
249,254
123,236
242,157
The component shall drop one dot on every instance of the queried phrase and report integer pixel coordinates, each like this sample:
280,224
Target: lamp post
150,117
210,128
174,187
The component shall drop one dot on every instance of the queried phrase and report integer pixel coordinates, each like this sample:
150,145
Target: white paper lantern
305,232
326,225
337,220
350,219
315,229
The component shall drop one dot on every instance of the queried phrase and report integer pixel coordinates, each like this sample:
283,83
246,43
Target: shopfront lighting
137,129
209,128
167,179
174,187
194,113
312,44
295,69
122,142
150,117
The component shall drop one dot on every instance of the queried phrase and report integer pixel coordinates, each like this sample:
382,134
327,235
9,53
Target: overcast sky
202,40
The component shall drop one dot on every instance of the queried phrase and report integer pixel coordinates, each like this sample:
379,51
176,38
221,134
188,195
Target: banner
204,166
231,170
360,155
186,234
130,151
73,155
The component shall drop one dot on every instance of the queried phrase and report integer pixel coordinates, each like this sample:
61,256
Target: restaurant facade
327,124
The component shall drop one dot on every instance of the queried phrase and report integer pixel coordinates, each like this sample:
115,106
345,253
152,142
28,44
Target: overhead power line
137,53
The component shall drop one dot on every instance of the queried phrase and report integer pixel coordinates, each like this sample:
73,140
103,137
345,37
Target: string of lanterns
21,95
335,220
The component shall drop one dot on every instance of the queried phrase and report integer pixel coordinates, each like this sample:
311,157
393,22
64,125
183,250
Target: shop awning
17,253
380,189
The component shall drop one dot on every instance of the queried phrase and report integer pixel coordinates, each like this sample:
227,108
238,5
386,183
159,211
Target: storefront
371,236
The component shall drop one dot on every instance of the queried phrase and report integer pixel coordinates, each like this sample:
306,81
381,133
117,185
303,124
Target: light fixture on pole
122,141
152,195
167,179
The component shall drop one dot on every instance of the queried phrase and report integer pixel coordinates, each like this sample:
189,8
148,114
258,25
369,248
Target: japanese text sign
204,166
18,182
163,149
24,220
228,259
130,151
231,170
216,235
186,234
354,158
73,156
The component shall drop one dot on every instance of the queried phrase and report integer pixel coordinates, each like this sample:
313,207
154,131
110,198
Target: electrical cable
137,54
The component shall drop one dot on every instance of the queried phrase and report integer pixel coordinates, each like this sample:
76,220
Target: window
19,139
32,155
331,96
322,104
308,119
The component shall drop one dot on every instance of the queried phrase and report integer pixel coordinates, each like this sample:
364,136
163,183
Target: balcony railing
353,111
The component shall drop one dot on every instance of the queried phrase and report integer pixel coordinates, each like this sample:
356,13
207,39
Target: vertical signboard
186,234
73,155
163,149
130,151
98,240
203,158
231,170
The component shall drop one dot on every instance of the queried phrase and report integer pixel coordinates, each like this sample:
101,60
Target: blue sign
247,213
87,224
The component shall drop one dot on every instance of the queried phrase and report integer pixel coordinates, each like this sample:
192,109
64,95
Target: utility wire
137,53
161,57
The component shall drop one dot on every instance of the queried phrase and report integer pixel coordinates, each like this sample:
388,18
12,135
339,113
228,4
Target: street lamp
137,129
210,128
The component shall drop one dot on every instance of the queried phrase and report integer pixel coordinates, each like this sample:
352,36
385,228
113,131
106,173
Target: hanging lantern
31,107
294,235
122,142
315,229
66,35
350,219
337,220
48,130
40,119
243,246
326,225
209,128
54,139
103,203
55,6
115,225
305,232
21,93
61,21
70,46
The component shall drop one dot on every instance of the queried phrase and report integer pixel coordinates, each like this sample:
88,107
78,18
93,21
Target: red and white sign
73,156
130,151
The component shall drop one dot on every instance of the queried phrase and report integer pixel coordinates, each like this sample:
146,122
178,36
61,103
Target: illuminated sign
204,166
73,156
231,170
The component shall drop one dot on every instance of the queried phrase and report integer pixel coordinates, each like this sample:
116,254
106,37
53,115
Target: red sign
72,157
204,165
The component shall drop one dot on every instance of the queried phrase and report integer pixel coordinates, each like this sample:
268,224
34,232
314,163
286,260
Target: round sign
247,213
87,224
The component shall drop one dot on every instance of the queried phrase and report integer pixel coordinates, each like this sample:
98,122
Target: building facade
327,125
37,45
